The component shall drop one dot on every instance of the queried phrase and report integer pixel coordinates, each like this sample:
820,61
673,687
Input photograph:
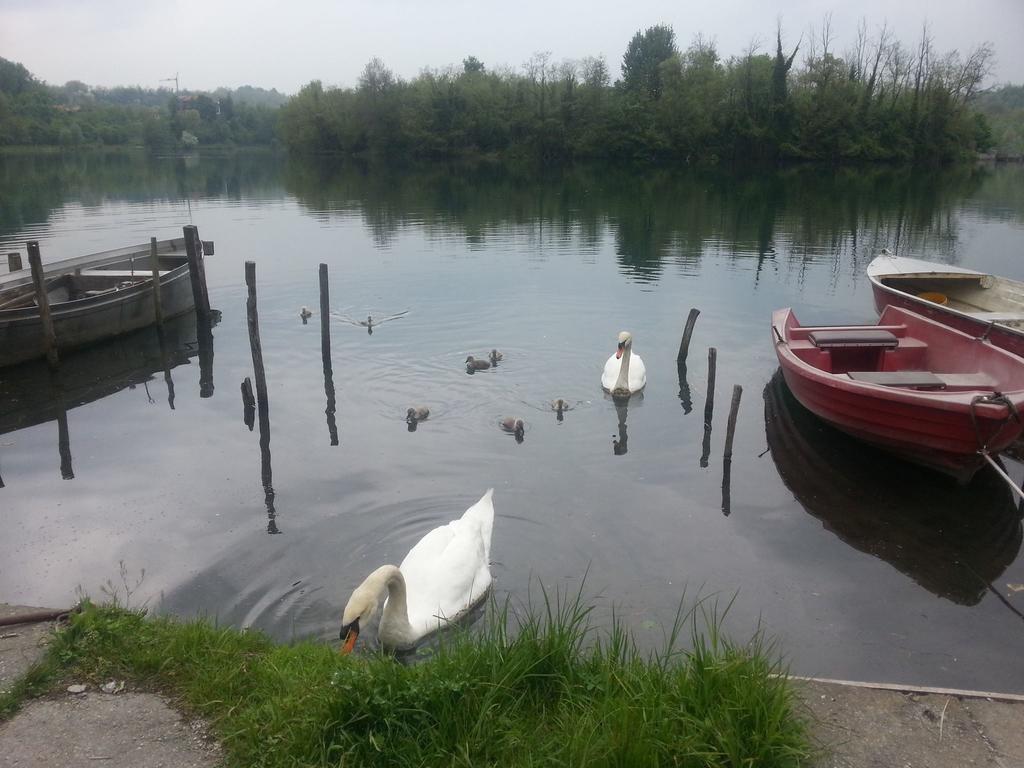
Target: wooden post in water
684,345
325,353
13,262
197,273
254,338
709,408
709,403
730,430
154,261
49,337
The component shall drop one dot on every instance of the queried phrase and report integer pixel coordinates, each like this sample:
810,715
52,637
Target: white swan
442,577
624,373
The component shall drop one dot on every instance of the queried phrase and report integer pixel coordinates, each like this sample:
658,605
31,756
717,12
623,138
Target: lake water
860,566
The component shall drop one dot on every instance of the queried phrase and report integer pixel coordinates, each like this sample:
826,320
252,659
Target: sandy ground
855,727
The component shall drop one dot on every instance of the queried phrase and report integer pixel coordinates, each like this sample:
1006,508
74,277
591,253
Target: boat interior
930,357
987,297
87,283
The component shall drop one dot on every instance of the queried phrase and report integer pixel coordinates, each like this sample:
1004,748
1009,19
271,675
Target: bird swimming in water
415,415
439,581
496,356
472,364
560,406
514,426
620,377
305,313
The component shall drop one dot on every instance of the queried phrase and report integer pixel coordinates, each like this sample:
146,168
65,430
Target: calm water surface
862,567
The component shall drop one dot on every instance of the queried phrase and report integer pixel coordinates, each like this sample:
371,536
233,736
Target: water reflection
32,394
660,217
954,541
684,388
620,443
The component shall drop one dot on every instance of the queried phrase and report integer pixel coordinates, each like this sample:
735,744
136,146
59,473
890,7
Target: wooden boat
92,298
976,303
953,541
910,385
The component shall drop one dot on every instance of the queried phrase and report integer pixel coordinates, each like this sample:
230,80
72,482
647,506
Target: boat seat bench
846,339
925,379
123,274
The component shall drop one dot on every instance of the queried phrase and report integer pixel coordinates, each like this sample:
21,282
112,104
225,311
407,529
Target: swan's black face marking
348,634
618,351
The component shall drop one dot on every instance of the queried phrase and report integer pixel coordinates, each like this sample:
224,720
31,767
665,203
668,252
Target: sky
211,43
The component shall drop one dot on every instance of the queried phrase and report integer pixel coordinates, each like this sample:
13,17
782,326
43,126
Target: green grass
541,688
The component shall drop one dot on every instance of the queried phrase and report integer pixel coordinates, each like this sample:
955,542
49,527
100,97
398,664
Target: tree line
881,100
77,115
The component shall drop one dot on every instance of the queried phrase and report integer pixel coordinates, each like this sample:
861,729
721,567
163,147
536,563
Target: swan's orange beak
350,641
618,352
349,635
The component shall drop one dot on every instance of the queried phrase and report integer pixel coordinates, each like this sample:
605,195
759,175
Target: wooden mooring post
325,352
684,345
262,401
253,318
197,273
43,300
154,261
730,432
709,407
13,262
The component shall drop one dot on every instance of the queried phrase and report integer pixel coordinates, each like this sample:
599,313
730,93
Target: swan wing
611,373
448,570
637,374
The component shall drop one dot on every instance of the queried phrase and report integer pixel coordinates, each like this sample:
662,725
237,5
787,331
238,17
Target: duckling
473,364
305,313
560,406
514,426
417,413
496,356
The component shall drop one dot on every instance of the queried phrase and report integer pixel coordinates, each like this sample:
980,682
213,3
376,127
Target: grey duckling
417,413
472,364
514,426
305,313
560,406
496,356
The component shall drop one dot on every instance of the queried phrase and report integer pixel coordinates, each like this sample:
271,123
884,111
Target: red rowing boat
917,388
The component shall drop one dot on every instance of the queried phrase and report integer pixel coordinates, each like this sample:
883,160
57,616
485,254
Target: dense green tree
641,64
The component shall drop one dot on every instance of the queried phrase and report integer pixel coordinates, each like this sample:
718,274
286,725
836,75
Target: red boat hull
1000,335
930,428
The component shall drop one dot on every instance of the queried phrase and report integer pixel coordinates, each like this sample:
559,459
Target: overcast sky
285,45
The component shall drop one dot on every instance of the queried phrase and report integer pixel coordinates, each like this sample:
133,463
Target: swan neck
395,618
623,381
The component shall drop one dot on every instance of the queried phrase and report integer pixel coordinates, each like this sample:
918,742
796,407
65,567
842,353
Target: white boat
977,303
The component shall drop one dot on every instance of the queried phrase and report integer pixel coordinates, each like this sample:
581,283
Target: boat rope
996,398
1002,473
